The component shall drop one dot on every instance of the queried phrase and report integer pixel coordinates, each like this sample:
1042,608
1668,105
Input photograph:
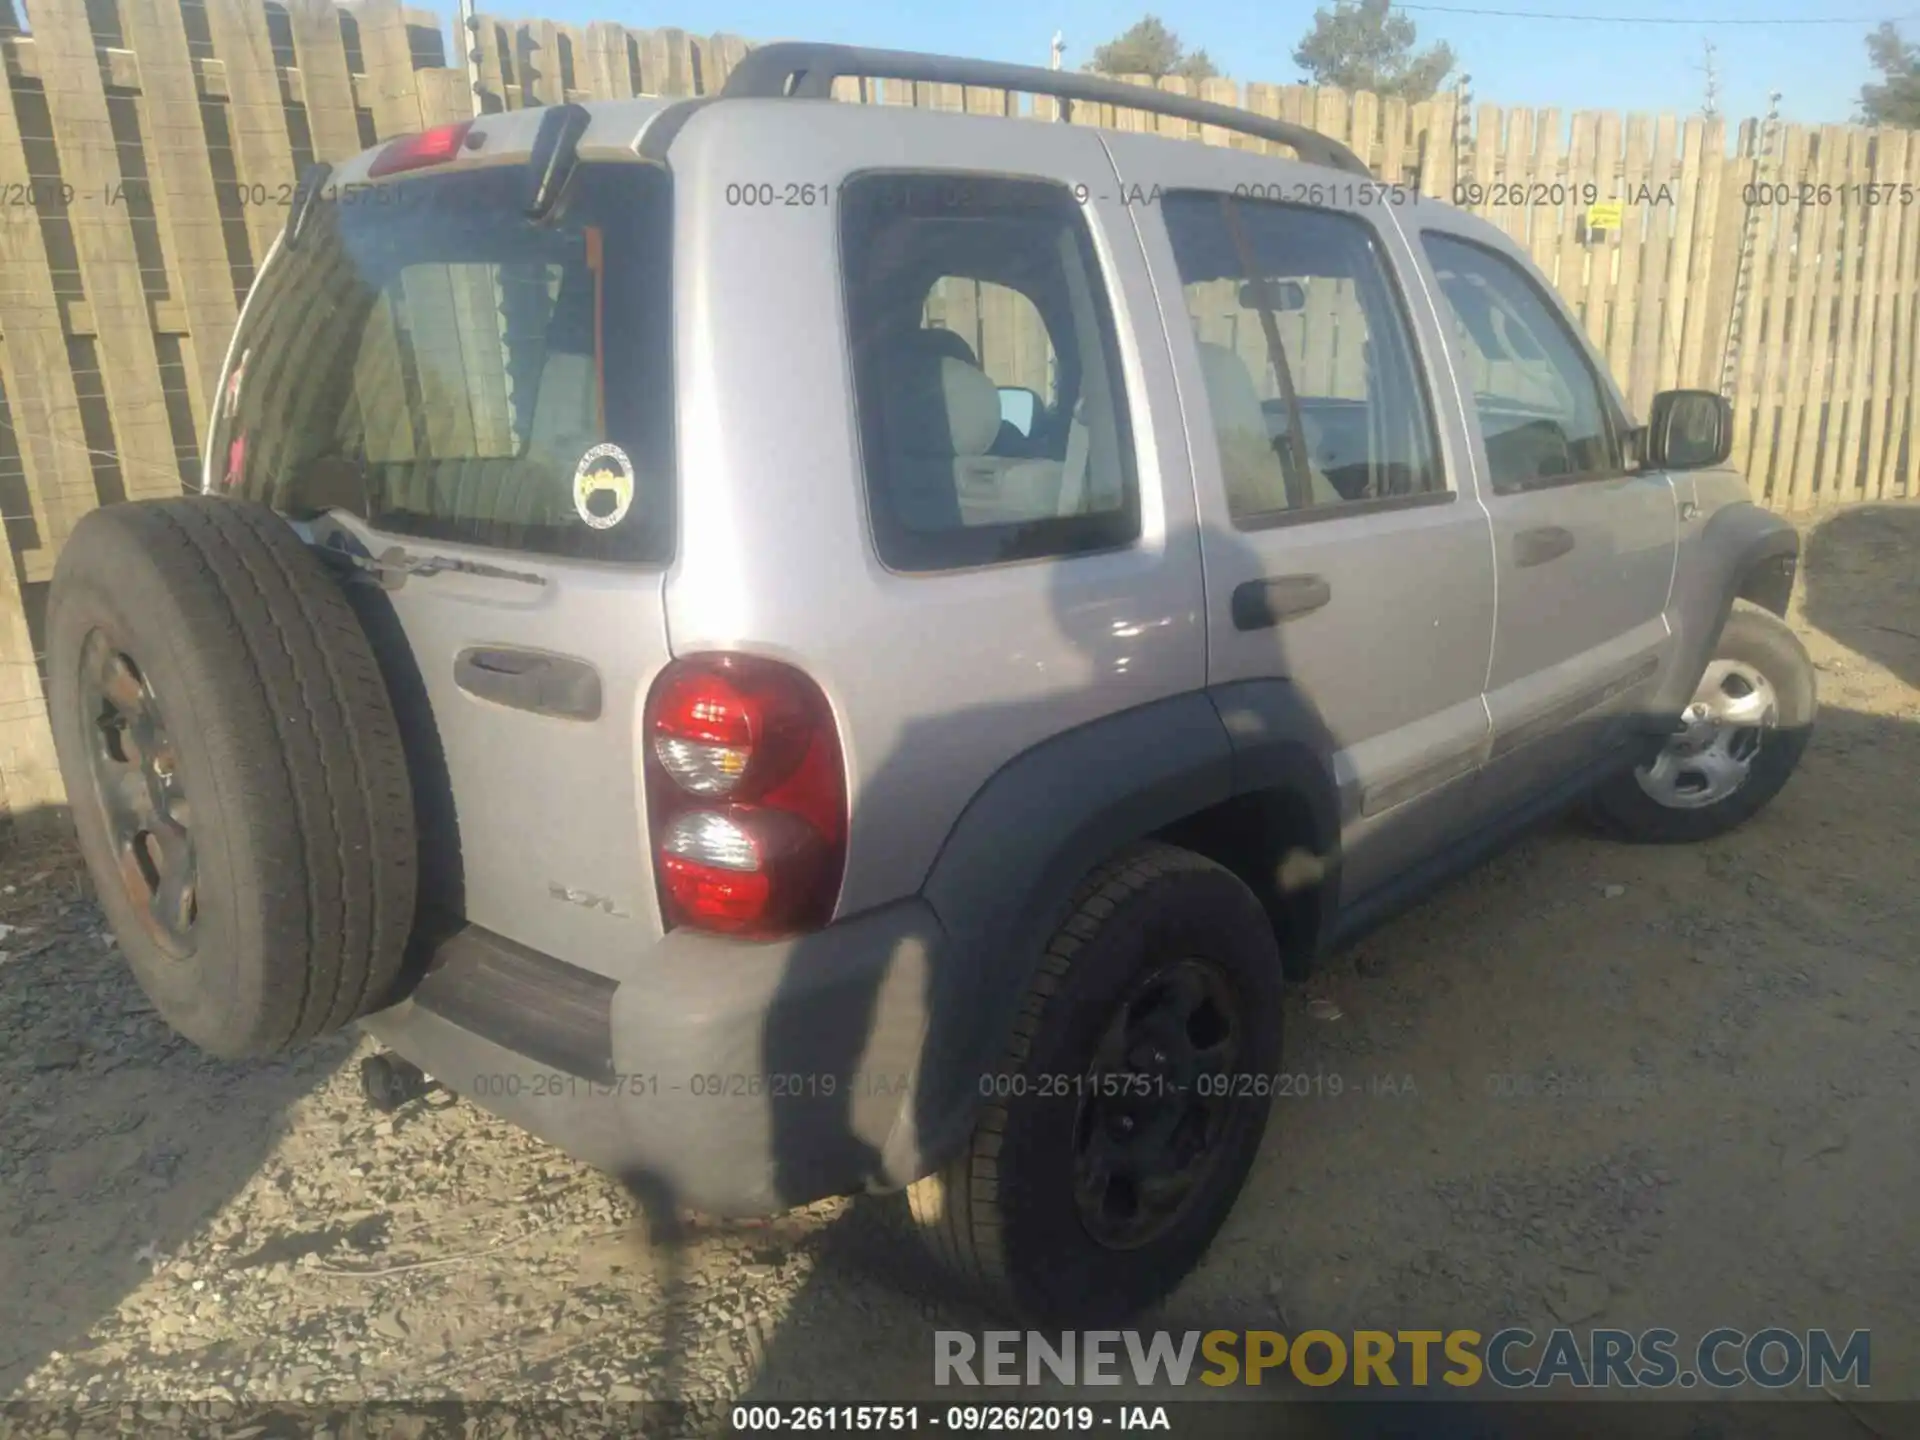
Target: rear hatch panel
472,413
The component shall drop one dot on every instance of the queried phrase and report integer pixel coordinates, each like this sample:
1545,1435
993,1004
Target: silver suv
795,648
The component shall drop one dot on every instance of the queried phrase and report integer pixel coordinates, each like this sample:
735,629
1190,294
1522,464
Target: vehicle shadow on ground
1862,575
1466,985
119,1141
1463,1208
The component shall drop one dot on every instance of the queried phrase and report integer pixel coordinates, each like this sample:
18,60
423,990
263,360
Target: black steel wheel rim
1155,1103
138,788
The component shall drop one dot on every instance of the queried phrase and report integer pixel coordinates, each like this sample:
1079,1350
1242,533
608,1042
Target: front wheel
1121,1124
1741,738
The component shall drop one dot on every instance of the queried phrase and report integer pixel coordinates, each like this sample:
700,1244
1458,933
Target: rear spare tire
234,770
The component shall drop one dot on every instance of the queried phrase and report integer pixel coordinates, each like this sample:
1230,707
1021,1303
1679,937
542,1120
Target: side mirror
1019,407
1688,430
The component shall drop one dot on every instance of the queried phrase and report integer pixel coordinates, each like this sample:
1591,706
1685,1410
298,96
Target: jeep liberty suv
795,649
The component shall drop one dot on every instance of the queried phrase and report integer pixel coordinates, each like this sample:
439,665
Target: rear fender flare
1005,876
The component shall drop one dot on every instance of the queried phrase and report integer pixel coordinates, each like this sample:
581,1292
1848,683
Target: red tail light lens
416,152
747,796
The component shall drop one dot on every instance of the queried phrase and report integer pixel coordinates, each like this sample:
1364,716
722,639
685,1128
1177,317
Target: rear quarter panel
937,681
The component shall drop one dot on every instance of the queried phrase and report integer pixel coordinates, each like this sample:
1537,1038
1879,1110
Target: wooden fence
148,148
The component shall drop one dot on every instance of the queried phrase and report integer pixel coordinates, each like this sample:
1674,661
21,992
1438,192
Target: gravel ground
1591,1084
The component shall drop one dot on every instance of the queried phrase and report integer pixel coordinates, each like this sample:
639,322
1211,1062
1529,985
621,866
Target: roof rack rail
807,71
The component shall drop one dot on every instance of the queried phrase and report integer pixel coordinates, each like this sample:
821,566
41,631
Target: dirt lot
1628,1087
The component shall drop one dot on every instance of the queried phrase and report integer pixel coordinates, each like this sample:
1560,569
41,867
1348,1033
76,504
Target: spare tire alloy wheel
235,771
140,793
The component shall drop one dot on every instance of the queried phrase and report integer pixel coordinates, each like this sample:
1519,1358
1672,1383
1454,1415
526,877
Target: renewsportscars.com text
1514,1359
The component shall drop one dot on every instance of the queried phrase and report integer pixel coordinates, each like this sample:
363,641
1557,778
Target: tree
1149,48
1897,102
1363,45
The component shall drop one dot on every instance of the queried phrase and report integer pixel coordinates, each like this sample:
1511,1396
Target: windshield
432,361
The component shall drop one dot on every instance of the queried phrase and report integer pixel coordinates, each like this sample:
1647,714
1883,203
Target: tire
234,770
1003,1217
1753,641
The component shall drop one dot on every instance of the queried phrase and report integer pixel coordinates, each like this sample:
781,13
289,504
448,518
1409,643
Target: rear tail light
746,796
417,152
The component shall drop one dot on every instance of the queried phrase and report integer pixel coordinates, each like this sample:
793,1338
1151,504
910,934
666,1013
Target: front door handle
1537,547
1261,604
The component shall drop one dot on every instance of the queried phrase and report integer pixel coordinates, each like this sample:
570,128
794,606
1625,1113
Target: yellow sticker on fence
1605,214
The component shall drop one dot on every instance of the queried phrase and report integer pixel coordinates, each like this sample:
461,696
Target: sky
1619,64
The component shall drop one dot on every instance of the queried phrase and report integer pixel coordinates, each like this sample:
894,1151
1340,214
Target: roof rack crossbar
807,71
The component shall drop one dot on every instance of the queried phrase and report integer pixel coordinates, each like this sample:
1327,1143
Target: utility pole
1059,49
1711,110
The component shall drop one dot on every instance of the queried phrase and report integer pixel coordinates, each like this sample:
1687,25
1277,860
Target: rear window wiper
393,567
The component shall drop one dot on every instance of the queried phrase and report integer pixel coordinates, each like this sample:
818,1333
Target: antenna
1711,109
1059,49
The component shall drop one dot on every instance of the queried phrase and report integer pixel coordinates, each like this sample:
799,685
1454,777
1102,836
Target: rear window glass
434,362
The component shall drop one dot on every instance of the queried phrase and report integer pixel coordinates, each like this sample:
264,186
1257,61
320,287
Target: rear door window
1307,357
435,363
992,409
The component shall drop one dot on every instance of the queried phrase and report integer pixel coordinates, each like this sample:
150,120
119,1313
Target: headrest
1236,402
946,342
942,406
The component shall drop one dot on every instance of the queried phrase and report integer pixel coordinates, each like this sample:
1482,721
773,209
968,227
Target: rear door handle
1537,547
556,685
1261,604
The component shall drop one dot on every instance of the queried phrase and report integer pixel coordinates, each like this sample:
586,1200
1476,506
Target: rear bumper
735,1079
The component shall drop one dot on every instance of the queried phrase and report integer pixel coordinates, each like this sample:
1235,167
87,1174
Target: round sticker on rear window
603,486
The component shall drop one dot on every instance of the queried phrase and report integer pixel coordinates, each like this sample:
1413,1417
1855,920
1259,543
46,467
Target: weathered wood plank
30,789
1645,313
324,80
1842,454
1603,255
1808,361
1763,336
1544,224
1363,122
1905,419
33,355
1220,91
262,153
1571,272
1898,241
109,263
185,205
1393,142
606,73
1694,269
1331,110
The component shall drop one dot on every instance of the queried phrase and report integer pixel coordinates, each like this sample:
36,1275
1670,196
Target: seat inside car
942,418
1255,474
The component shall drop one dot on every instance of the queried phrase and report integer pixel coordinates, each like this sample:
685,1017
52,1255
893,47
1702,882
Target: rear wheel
234,771
1120,1126
1742,736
